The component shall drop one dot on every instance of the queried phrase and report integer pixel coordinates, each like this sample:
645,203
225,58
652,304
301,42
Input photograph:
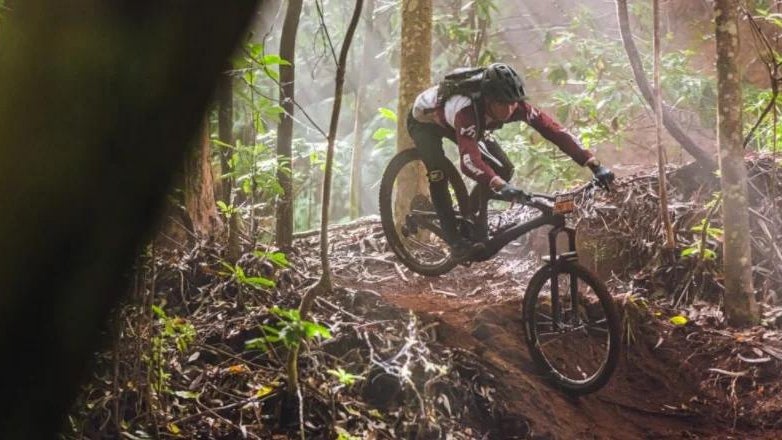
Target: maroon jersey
458,120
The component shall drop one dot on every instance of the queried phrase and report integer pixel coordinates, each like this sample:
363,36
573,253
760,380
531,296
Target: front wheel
572,329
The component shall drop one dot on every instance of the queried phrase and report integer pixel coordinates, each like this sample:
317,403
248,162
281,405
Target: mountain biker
464,119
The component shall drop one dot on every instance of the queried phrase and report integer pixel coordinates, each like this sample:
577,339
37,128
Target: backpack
465,81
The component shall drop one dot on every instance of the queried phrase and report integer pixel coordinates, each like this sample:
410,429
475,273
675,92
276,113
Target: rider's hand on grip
603,176
511,193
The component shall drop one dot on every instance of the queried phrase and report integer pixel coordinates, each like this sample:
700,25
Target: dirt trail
478,310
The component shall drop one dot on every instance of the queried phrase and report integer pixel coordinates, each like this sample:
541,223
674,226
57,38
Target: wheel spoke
578,349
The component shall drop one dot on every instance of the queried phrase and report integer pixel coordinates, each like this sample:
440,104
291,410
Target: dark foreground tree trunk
100,99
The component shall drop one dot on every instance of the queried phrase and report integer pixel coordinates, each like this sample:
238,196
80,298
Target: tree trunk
701,156
285,130
107,142
358,126
225,125
414,77
324,283
670,238
199,187
740,306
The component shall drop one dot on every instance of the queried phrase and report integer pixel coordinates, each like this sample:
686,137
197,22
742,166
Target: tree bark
225,124
285,130
199,186
701,156
414,77
670,238
113,111
740,306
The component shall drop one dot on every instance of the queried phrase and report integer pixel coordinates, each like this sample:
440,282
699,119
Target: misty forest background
569,53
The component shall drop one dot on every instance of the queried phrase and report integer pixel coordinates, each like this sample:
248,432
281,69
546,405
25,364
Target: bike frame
482,195
547,217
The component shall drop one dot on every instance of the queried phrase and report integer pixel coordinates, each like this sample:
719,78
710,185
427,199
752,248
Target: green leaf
263,391
273,59
388,114
312,329
255,49
709,255
159,312
259,281
690,251
270,331
287,314
255,344
277,258
383,133
344,377
239,272
230,268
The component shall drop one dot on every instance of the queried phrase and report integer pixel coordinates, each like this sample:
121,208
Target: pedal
569,256
565,256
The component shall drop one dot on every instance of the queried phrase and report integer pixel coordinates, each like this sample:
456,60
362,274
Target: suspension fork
555,259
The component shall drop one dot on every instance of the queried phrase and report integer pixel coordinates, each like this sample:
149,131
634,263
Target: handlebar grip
595,182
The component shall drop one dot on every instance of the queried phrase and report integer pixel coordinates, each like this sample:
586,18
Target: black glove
603,175
510,193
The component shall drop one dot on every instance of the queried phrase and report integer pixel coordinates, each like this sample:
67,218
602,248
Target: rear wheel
573,335
411,225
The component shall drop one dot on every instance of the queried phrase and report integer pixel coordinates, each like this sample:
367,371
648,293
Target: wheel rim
576,346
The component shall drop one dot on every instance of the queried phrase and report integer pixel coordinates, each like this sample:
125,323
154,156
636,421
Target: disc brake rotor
419,203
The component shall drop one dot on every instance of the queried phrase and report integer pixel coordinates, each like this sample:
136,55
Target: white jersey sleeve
452,107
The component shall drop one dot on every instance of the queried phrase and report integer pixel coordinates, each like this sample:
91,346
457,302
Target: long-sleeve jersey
458,121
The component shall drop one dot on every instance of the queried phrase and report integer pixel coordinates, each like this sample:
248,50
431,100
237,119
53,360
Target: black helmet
501,83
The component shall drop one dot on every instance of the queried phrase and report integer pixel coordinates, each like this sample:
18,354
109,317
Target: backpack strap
465,81
478,109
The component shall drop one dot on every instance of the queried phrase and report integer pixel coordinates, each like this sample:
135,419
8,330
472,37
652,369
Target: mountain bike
571,322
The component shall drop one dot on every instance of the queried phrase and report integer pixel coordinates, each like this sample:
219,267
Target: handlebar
545,202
